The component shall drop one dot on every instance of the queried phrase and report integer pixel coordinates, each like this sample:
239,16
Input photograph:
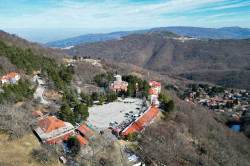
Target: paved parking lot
101,116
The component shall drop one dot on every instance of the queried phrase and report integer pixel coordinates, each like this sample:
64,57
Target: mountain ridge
195,32
184,58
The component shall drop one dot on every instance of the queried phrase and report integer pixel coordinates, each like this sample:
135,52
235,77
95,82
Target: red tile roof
146,118
85,130
51,123
154,83
152,91
82,140
37,113
10,75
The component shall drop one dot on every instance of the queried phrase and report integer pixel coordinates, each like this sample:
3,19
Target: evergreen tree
67,114
129,137
101,100
94,96
74,145
81,112
89,101
145,89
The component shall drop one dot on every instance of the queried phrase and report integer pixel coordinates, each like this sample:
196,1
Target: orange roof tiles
152,91
85,130
51,123
154,83
37,113
146,118
82,140
10,75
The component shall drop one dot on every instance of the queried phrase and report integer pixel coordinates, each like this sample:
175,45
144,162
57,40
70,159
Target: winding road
40,90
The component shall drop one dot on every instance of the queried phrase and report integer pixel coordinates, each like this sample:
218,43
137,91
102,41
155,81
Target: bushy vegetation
16,121
132,80
74,145
80,111
111,96
17,92
171,87
41,155
166,103
87,99
29,62
67,114
70,96
102,80
192,136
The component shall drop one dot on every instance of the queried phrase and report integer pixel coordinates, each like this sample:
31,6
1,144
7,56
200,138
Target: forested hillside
28,62
192,59
14,40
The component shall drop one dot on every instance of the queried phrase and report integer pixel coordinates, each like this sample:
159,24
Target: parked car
63,159
127,114
111,128
131,112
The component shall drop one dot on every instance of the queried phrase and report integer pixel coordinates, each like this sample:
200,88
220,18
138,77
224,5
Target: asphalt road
40,90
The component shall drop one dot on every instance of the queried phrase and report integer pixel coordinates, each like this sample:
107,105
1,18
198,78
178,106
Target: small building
85,131
37,113
52,130
118,84
156,86
10,78
153,97
144,120
82,140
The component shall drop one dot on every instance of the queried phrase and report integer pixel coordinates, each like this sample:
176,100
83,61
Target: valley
127,102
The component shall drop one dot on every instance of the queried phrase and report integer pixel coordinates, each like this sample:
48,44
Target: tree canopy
29,62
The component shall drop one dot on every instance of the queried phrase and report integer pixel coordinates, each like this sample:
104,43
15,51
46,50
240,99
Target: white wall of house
11,80
157,89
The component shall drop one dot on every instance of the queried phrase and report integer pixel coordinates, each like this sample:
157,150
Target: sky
92,16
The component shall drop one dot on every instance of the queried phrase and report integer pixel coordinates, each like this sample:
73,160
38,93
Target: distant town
234,102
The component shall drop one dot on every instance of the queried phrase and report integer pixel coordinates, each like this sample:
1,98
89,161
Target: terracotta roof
10,75
152,91
51,123
37,113
82,140
154,83
146,118
85,130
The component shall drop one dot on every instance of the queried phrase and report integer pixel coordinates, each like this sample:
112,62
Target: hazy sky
122,14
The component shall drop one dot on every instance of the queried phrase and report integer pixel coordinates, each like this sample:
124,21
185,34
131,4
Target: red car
111,128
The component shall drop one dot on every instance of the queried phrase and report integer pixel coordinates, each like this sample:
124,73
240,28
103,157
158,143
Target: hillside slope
191,136
196,32
194,59
13,40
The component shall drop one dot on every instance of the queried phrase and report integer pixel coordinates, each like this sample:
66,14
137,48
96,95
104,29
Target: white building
153,97
156,86
10,78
